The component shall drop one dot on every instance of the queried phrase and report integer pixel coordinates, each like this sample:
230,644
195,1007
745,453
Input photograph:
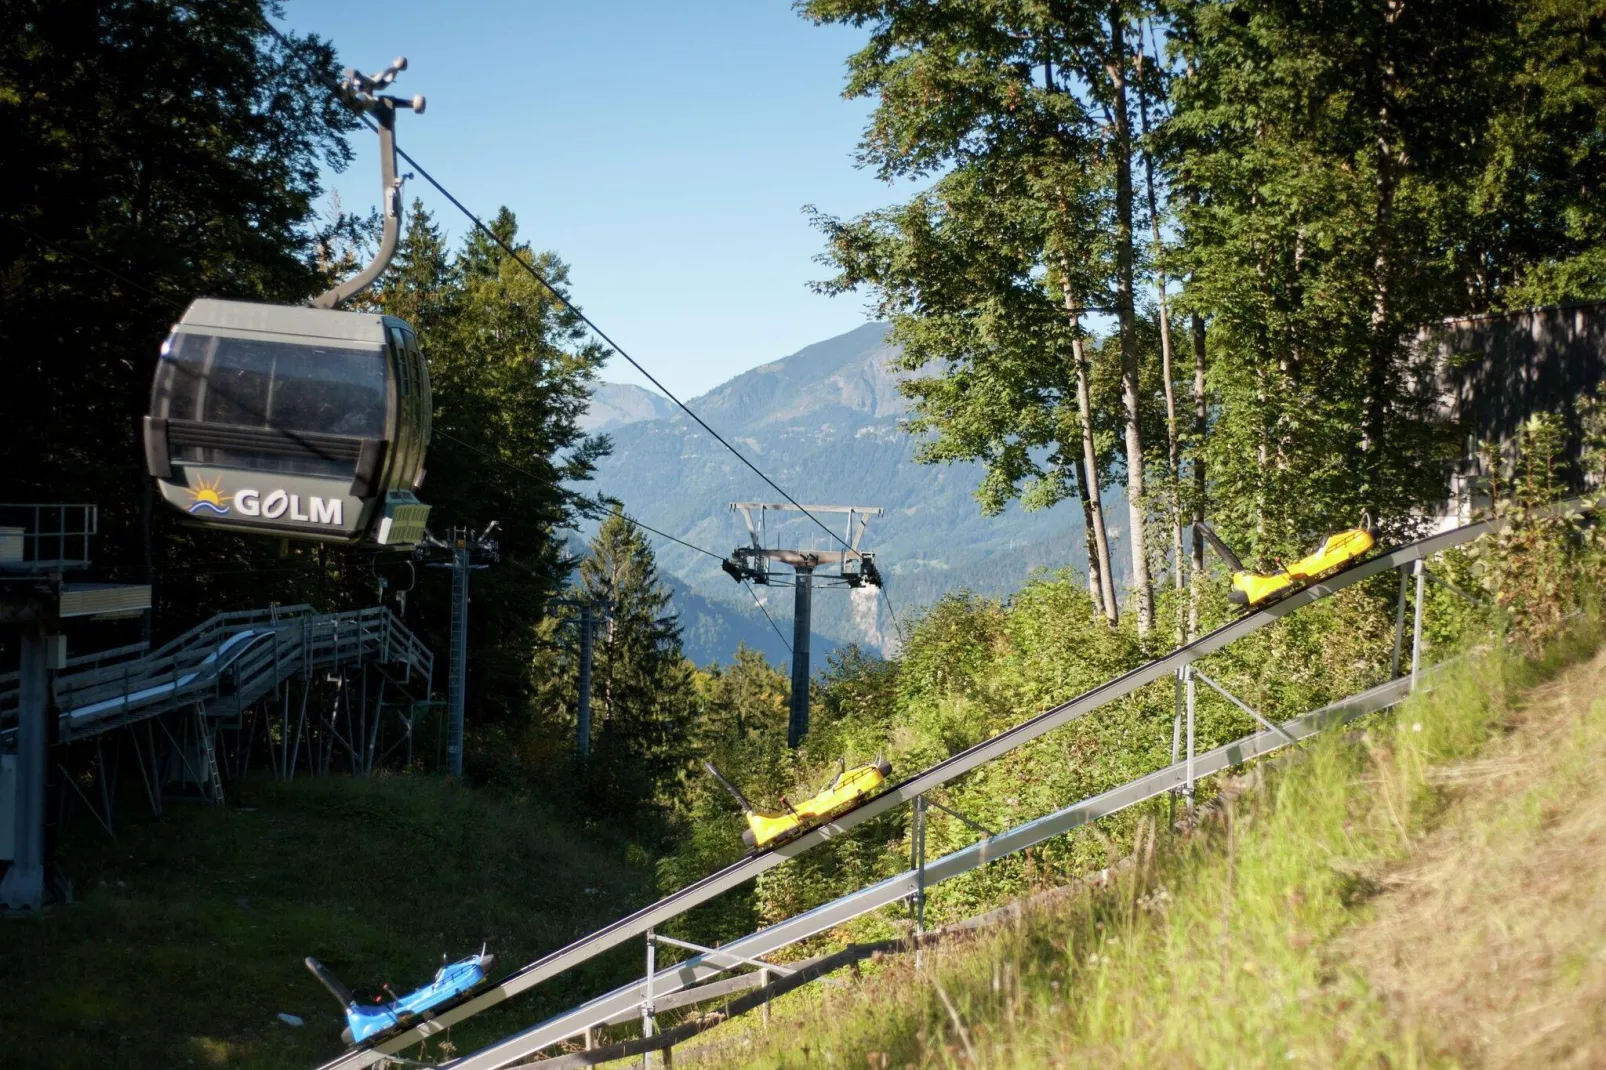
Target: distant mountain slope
824,424
616,404
711,629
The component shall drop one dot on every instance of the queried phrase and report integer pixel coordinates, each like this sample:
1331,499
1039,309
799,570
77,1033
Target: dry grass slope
1492,938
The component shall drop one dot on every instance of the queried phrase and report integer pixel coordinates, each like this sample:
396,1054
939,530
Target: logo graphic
206,499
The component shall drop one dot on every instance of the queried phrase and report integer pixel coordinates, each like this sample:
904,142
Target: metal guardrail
906,791
623,1002
46,537
95,659
232,659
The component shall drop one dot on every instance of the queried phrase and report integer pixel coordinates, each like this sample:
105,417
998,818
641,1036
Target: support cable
599,503
767,616
595,503
885,597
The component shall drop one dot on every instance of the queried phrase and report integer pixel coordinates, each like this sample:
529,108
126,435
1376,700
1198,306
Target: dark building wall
1494,372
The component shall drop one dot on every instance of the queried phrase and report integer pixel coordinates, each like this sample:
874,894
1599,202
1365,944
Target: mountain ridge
618,404
826,424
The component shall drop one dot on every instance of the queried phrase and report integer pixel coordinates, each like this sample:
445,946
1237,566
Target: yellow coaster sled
1253,588
848,789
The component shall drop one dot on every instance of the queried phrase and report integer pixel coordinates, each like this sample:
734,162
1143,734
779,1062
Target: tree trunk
1095,585
1115,67
1201,418
1380,354
1201,422
1173,444
1090,471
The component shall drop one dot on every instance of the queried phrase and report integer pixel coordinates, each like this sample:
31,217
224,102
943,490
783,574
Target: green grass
1241,945
187,937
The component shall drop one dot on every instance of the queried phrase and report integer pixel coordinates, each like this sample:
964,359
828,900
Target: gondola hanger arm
361,92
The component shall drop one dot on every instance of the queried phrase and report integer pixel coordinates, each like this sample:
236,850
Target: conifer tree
511,372
153,153
641,684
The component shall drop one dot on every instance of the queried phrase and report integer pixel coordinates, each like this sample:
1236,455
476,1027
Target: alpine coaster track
522,1045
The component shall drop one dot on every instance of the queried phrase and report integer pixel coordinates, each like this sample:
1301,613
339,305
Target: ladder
213,787
457,683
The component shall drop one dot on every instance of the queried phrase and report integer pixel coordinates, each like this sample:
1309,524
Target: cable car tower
854,568
303,422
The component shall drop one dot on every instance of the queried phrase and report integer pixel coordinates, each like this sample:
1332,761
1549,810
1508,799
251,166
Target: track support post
1176,742
646,1003
1421,570
917,846
1190,702
1399,625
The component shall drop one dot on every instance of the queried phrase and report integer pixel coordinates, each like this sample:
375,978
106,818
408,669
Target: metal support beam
715,954
379,717
798,724
1399,626
920,864
103,777
457,683
646,1003
105,821
294,757
1187,785
951,812
1236,701
1421,570
1176,740
153,786
23,887
1458,592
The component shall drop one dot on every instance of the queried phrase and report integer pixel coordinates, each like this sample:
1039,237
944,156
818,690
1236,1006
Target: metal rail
958,765
230,661
618,1004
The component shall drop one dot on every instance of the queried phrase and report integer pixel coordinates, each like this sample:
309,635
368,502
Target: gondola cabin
300,422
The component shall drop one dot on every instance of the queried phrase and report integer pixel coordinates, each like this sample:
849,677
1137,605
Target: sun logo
204,498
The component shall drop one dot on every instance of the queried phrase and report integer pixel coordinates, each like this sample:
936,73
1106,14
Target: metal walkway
226,663
639,923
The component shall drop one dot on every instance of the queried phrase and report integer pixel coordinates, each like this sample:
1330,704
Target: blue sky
664,150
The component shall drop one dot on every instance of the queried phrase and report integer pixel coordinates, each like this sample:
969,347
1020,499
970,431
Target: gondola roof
291,323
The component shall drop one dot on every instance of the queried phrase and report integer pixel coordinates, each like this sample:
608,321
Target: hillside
187,937
824,422
616,404
1423,891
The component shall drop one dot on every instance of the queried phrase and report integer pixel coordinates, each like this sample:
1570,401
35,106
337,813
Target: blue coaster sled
366,1021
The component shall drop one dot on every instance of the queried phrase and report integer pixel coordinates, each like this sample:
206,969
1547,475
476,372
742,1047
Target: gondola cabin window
290,391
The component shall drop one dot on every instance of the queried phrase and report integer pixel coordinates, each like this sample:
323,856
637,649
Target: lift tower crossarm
807,558
752,563
858,518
